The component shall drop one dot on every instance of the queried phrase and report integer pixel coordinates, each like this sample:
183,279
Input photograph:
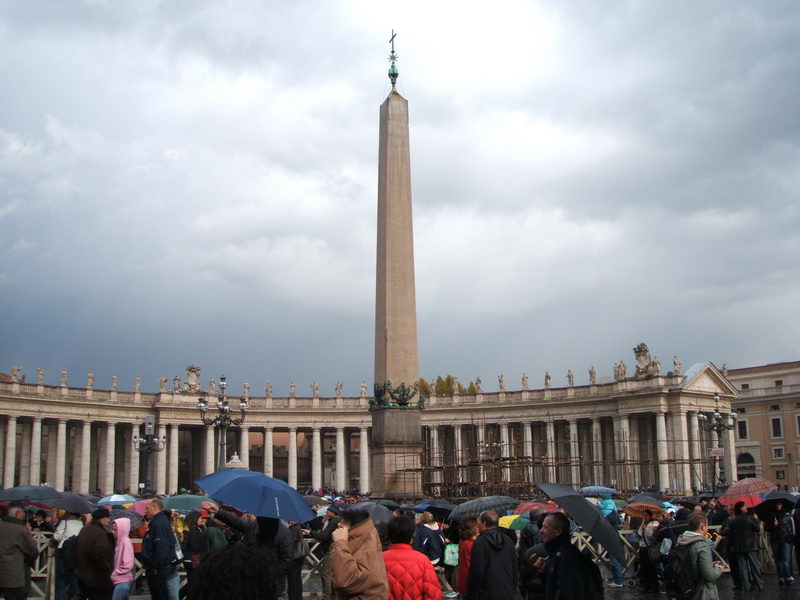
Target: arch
745,458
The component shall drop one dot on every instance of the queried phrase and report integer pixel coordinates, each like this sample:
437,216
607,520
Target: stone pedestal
396,449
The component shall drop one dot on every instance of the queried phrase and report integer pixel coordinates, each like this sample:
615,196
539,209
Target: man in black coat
493,569
95,547
158,551
565,578
742,529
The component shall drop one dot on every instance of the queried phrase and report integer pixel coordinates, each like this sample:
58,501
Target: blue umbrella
596,490
211,483
261,495
116,499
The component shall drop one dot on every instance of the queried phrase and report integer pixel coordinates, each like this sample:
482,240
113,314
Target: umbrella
639,498
139,506
390,504
767,509
29,492
510,522
313,501
473,508
211,483
747,490
115,499
529,506
620,503
119,513
259,494
321,511
596,490
187,502
74,503
638,510
519,524
437,507
686,501
377,512
587,516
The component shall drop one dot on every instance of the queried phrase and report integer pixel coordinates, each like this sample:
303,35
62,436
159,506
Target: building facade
639,432
768,427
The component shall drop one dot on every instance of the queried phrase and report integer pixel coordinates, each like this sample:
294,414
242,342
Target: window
777,453
775,407
778,382
742,425
745,386
744,410
777,427
780,474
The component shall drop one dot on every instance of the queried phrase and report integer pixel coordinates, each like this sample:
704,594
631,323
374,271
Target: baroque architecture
638,432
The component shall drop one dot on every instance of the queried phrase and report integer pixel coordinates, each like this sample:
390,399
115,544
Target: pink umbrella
139,506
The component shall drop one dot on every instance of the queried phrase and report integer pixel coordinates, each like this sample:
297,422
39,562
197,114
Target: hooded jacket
410,574
493,569
357,568
124,566
707,574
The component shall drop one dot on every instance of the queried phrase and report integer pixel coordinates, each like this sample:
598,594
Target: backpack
786,531
679,575
451,555
594,579
68,554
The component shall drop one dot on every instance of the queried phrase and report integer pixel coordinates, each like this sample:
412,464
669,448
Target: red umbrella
526,506
750,487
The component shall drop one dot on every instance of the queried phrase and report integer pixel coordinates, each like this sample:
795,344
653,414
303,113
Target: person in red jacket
410,574
468,532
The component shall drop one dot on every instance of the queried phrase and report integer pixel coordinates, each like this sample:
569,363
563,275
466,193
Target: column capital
292,429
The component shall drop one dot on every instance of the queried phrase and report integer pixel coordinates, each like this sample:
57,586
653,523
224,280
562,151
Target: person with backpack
691,574
66,536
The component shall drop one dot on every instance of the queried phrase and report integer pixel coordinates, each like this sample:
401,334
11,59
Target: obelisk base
396,453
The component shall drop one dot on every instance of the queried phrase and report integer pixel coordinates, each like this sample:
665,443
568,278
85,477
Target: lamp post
148,445
223,420
715,423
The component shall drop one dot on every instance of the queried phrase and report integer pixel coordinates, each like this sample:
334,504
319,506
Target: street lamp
148,445
715,423
223,420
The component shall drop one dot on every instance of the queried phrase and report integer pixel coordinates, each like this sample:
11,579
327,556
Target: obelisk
396,423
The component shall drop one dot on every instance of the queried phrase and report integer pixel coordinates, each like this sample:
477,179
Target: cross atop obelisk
396,420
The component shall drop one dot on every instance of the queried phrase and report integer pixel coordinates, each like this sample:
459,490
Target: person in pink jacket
124,567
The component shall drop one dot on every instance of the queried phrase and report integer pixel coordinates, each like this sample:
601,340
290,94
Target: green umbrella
620,502
184,502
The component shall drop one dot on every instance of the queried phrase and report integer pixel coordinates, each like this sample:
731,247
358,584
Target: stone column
552,476
436,455
131,457
292,457
597,451
316,459
2,450
75,458
61,454
363,461
729,443
622,433
244,446
480,433
505,450
695,468
574,453
51,467
459,451
174,459
210,446
25,452
111,454
634,450
268,462
527,448
680,431
36,451
340,470
662,452
11,452
86,451
161,464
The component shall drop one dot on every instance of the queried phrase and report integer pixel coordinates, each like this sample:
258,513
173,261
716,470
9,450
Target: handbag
451,555
300,548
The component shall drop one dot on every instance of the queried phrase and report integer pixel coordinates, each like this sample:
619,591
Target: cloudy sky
195,182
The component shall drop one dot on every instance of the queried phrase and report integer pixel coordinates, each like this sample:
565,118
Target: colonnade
88,456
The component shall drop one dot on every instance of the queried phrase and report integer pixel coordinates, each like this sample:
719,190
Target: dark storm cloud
195,182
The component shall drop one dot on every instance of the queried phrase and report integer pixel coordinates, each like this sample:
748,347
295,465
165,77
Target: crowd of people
413,556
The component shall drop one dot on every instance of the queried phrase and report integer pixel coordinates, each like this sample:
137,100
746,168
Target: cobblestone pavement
772,591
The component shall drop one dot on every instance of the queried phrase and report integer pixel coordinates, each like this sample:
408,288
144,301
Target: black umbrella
687,501
29,492
439,508
390,504
473,508
646,499
70,502
377,512
119,513
313,501
767,510
585,514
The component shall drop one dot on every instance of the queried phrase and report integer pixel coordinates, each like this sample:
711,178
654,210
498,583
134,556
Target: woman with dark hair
649,553
236,571
357,568
467,533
